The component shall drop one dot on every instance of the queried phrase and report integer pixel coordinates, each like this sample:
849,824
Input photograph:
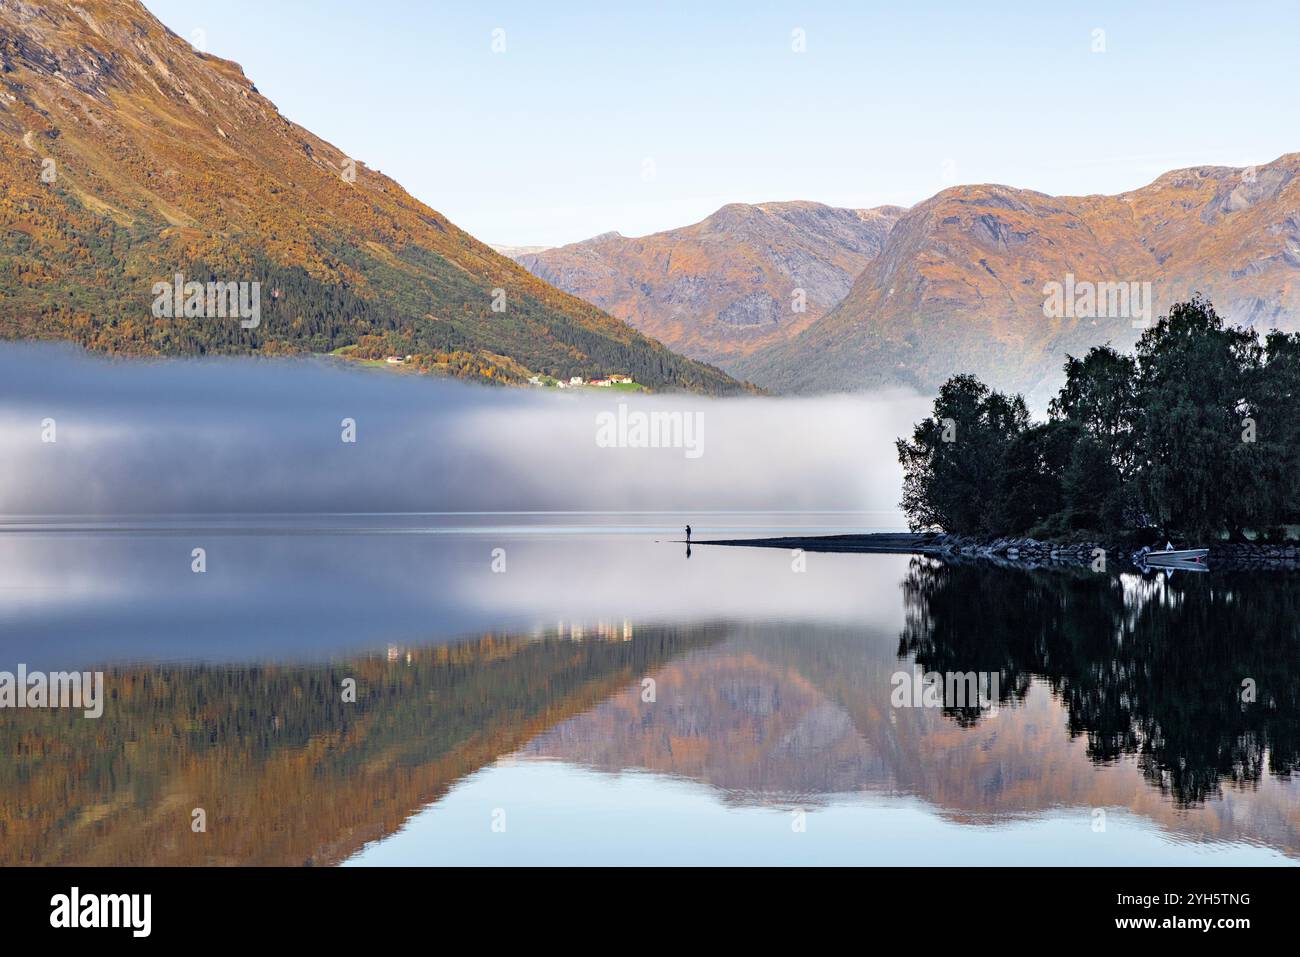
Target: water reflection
767,691
286,771
1195,675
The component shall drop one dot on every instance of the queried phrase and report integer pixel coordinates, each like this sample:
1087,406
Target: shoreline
1020,552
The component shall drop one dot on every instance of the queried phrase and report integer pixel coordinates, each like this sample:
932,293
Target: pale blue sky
547,142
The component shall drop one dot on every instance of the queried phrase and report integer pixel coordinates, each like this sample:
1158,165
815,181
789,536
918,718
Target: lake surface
539,688
472,635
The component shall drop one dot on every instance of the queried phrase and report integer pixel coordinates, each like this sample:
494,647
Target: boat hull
1180,557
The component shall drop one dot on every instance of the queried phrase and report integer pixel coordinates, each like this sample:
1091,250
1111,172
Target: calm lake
472,635
575,689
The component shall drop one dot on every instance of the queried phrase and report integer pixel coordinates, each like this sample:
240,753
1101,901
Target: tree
1093,491
1100,395
1277,426
1099,398
1194,379
1032,491
954,464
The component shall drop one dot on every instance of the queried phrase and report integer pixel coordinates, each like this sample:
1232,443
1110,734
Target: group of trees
1194,435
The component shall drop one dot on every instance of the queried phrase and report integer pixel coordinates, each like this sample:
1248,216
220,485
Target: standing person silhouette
688,534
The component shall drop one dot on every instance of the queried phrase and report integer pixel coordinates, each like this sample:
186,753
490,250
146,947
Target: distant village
548,382
577,380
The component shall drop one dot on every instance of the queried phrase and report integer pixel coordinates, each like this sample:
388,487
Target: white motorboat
1175,557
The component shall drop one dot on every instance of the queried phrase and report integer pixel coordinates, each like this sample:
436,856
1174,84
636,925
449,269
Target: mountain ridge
742,277
128,156
961,283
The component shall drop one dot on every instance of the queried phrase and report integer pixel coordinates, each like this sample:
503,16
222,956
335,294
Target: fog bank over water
137,437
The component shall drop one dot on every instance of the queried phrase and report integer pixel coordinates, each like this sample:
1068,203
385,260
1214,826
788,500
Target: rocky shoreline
1026,552
1031,553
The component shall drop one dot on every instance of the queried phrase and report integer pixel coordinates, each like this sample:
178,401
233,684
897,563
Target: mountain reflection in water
1117,692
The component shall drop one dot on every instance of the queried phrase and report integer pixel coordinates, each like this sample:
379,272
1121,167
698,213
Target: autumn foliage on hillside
128,157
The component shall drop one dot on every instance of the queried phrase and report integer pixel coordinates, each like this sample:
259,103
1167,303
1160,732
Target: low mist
85,435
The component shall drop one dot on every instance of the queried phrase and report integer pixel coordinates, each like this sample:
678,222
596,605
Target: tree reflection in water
1149,666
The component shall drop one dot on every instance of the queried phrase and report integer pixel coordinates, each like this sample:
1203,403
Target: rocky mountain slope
962,280
128,157
745,277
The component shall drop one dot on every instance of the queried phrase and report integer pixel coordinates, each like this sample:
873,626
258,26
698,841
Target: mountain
128,157
961,283
727,285
514,252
